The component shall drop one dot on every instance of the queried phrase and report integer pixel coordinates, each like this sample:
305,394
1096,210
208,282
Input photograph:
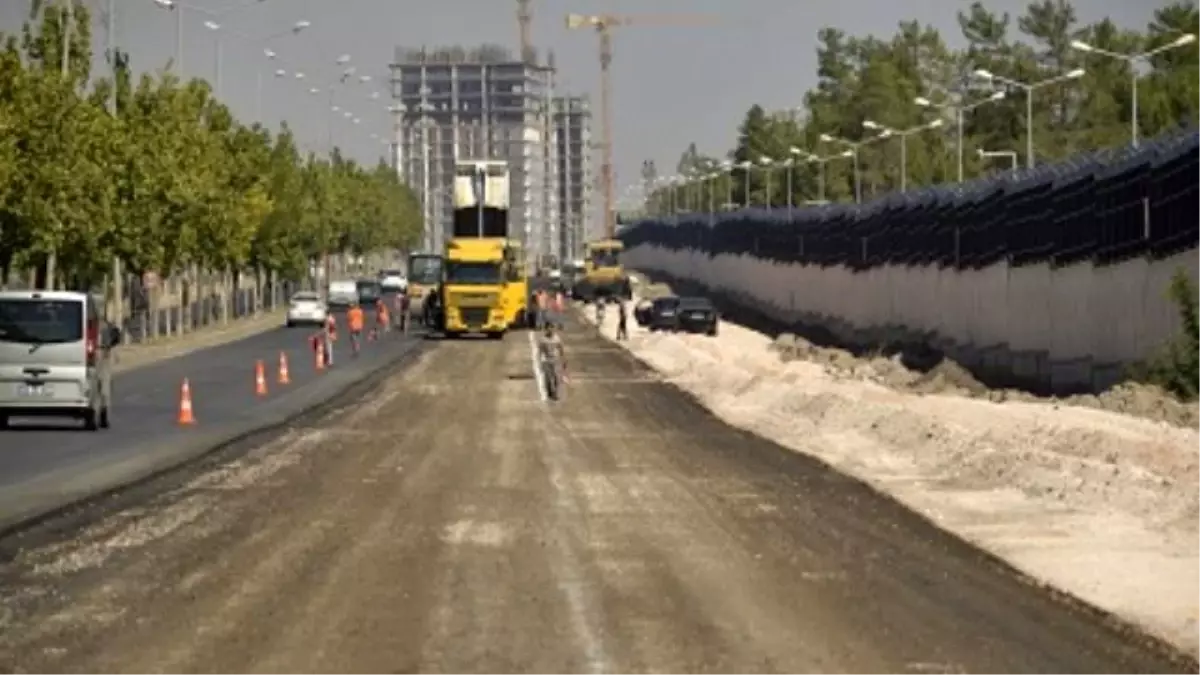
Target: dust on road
452,521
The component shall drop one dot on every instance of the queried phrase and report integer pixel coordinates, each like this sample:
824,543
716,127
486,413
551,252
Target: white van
55,357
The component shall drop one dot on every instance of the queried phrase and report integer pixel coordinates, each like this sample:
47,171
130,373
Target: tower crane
525,26
603,25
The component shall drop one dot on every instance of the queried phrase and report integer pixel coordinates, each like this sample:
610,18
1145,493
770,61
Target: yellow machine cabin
424,275
604,276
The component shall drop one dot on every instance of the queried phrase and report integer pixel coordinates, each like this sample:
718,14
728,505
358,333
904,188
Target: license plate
697,315
34,390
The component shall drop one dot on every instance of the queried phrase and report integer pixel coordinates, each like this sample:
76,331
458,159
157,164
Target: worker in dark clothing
622,320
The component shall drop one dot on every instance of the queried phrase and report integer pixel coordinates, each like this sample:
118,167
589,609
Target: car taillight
91,341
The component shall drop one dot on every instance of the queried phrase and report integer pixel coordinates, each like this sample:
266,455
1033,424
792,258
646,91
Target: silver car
55,357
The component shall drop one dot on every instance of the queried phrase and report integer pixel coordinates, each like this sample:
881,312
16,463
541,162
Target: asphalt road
451,521
39,456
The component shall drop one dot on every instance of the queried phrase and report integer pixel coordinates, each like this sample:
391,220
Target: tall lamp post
746,166
767,162
903,134
1132,60
1029,88
959,112
855,146
217,28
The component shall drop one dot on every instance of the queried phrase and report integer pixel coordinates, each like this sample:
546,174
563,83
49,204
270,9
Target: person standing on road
355,320
330,337
560,308
402,309
622,320
540,308
552,357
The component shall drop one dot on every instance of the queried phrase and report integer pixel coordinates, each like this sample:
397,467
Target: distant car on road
306,309
697,315
368,292
393,281
342,294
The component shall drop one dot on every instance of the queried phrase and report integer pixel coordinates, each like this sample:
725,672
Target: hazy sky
672,85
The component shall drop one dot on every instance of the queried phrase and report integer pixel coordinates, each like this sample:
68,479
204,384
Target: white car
393,281
306,308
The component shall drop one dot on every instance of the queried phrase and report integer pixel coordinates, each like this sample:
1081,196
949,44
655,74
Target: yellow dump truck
604,276
516,286
480,227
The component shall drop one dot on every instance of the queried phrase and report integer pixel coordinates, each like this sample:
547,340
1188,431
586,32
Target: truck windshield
473,273
606,258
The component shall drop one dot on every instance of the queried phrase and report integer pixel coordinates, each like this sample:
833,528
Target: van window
40,321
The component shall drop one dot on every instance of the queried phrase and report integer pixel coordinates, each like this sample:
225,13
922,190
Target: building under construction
483,103
572,118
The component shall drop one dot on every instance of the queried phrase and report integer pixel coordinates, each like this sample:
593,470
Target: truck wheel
498,335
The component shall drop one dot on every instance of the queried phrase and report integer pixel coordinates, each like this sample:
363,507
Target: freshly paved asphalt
38,456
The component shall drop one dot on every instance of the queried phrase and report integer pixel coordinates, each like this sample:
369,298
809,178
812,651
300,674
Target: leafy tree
165,180
869,78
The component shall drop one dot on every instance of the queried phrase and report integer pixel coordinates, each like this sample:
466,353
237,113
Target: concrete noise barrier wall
1055,280
1063,330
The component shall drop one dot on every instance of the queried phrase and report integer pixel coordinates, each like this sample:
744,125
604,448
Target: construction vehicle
484,286
604,276
424,275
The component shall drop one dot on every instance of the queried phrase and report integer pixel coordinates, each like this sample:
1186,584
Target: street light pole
1011,155
1029,88
1132,59
903,134
959,113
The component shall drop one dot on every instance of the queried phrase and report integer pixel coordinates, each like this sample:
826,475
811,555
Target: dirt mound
1142,400
948,377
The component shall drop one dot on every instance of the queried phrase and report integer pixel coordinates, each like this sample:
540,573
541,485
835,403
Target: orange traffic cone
186,417
283,369
260,379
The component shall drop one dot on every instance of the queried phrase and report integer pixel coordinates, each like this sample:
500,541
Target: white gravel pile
1100,504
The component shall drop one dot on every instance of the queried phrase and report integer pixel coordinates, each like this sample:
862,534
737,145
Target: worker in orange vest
355,319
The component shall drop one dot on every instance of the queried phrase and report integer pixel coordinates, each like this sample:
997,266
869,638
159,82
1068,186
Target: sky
673,84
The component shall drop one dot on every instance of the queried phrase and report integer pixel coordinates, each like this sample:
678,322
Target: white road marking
533,364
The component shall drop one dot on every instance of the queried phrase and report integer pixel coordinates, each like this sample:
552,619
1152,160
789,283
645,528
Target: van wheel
3,421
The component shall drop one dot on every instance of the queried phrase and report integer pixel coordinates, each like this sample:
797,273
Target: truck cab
473,288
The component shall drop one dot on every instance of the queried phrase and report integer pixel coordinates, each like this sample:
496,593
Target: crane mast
603,25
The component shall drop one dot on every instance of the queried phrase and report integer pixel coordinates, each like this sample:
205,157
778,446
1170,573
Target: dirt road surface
453,521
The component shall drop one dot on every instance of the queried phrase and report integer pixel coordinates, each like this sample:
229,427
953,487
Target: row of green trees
870,78
155,174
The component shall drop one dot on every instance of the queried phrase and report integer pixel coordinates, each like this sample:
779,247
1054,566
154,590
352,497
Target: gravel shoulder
1098,503
450,520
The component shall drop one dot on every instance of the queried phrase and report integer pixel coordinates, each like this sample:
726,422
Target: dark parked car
369,291
641,312
662,314
696,315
